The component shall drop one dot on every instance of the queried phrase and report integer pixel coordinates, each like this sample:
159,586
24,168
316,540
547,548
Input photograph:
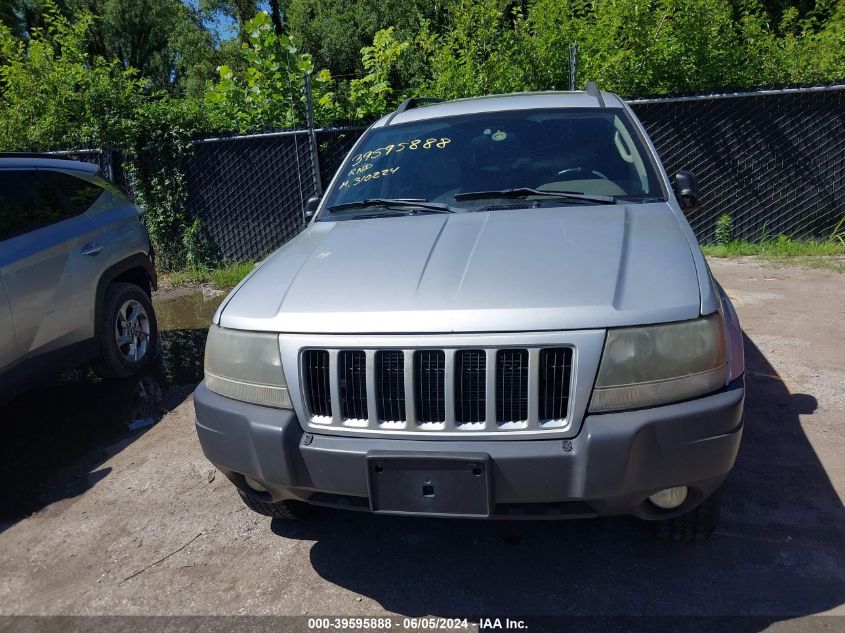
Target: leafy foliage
268,90
165,41
242,11
154,142
724,229
373,95
53,96
335,31
633,47
268,93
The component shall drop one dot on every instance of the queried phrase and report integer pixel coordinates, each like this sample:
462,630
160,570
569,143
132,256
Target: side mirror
687,190
310,207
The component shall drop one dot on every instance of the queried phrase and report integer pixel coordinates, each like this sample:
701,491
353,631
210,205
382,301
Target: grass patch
785,251
779,248
224,276
185,277
230,275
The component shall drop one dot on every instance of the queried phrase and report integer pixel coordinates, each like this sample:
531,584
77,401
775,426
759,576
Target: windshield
584,151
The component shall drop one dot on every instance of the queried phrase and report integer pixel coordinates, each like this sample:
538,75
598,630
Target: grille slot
466,391
512,385
317,388
555,373
390,386
470,386
352,367
429,385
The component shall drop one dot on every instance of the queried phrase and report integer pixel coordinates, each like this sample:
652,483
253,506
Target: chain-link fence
333,144
249,191
774,161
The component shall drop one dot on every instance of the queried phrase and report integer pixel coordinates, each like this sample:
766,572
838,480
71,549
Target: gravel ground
136,522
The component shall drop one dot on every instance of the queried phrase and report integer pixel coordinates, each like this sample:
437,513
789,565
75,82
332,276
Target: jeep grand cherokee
498,309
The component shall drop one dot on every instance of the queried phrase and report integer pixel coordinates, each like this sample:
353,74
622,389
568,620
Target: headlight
645,366
246,366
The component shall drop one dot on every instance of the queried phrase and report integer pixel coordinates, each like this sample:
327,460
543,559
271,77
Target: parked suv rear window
30,199
77,194
580,150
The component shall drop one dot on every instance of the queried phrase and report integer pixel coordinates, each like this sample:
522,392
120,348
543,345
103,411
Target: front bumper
611,467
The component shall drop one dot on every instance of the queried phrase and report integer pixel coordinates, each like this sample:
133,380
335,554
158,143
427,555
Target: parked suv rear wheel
696,525
127,332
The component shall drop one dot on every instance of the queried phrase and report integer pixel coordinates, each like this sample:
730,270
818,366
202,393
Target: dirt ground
111,520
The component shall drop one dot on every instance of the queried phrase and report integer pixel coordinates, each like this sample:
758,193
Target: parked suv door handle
91,249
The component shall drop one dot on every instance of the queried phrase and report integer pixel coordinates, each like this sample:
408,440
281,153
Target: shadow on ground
778,553
56,436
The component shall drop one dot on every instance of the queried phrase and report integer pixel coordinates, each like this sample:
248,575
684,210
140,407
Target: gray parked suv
76,273
497,310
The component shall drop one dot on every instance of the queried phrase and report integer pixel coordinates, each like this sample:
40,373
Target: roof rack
49,160
51,155
415,102
409,104
593,90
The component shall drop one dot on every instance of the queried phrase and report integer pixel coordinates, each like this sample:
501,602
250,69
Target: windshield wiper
410,203
525,192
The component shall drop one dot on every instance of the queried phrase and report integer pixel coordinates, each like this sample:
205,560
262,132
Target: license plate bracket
433,484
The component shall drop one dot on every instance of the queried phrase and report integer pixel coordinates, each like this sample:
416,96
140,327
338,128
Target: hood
559,268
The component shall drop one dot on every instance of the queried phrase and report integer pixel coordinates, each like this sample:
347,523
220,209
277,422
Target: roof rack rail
56,161
51,155
415,102
411,103
593,90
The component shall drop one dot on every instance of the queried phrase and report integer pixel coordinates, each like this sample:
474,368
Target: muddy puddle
54,437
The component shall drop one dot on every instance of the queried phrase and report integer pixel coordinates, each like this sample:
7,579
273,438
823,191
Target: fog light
258,487
670,498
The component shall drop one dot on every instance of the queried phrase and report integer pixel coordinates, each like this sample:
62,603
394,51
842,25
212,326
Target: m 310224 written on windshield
363,170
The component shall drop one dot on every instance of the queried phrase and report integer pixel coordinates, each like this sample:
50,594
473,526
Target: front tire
279,509
695,526
127,332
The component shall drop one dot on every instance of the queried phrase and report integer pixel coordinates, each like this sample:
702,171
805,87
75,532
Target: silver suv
76,273
497,310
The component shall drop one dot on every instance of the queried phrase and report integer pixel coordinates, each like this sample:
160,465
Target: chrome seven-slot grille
508,389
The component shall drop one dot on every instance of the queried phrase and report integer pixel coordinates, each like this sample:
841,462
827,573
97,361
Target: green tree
333,32
164,40
373,95
480,52
633,47
23,16
53,94
241,11
268,92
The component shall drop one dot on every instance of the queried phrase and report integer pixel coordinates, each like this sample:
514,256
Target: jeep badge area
75,273
498,310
